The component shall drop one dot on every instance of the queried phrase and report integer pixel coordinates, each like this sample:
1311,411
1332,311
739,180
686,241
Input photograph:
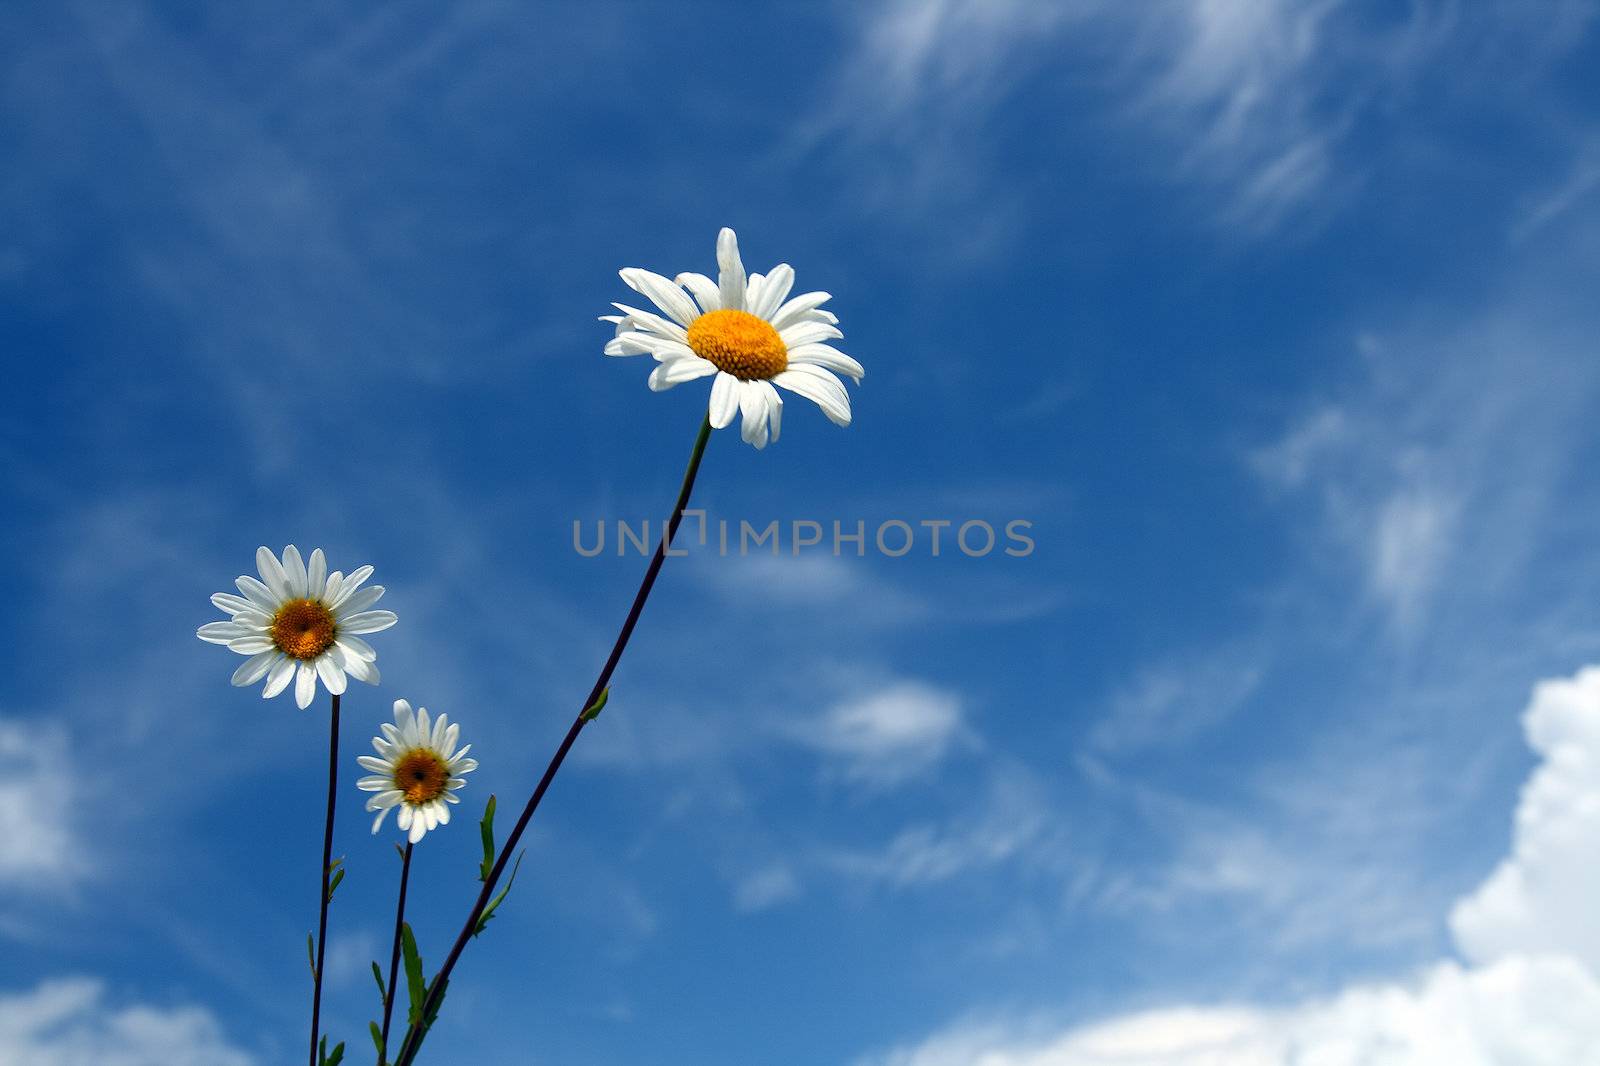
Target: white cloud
70,1023
1543,896
1009,822
890,735
1528,994
766,887
1174,701
38,847
1520,1012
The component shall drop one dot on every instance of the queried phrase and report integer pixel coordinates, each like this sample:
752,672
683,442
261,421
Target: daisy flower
300,622
746,331
417,769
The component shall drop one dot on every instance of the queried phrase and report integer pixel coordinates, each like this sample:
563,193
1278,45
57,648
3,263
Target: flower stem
327,859
415,1034
394,953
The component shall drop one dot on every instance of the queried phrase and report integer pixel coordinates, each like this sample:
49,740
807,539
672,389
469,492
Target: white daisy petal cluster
746,330
299,622
417,769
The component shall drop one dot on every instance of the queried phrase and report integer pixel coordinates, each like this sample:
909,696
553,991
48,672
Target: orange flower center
739,343
302,629
421,775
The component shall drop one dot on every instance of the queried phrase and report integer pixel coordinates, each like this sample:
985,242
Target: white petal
332,676
774,408
305,685
254,668
347,588
825,355
419,829
753,409
807,332
448,747
436,738
752,290
257,593
795,310
678,371
251,644
222,632
404,815
705,290
378,821
360,601
773,291
373,763
316,574
663,293
278,677
273,575
368,622
334,584
430,817
724,397
826,391
731,271
424,726
653,323
441,812
355,648
360,669
294,568
231,604
376,783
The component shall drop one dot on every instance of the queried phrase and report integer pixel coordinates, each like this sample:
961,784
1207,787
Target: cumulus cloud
1542,897
1527,994
71,1023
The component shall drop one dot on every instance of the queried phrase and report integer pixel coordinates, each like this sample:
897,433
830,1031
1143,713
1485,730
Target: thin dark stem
413,1041
327,859
394,953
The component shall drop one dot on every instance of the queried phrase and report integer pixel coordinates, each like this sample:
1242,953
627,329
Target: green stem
415,1034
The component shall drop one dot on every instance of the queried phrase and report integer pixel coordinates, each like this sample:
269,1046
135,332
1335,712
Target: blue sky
1275,319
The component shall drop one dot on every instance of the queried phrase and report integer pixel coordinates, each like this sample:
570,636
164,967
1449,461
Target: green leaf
311,954
383,991
333,886
593,710
333,1059
377,1042
488,912
416,987
486,829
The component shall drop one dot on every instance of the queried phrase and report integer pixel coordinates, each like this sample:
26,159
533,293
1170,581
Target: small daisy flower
746,331
417,769
300,622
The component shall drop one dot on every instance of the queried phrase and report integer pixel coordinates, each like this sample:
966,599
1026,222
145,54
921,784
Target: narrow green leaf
486,829
377,1042
488,912
337,1056
416,988
383,991
333,886
593,710
311,954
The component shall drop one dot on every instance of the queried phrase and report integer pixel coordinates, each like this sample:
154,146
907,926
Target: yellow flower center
421,775
302,629
739,343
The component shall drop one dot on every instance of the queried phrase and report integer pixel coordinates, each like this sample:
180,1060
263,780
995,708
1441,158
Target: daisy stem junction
417,1030
394,953
327,860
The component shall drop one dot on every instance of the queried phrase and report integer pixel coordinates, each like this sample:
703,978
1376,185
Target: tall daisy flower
747,331
299,622
417,769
